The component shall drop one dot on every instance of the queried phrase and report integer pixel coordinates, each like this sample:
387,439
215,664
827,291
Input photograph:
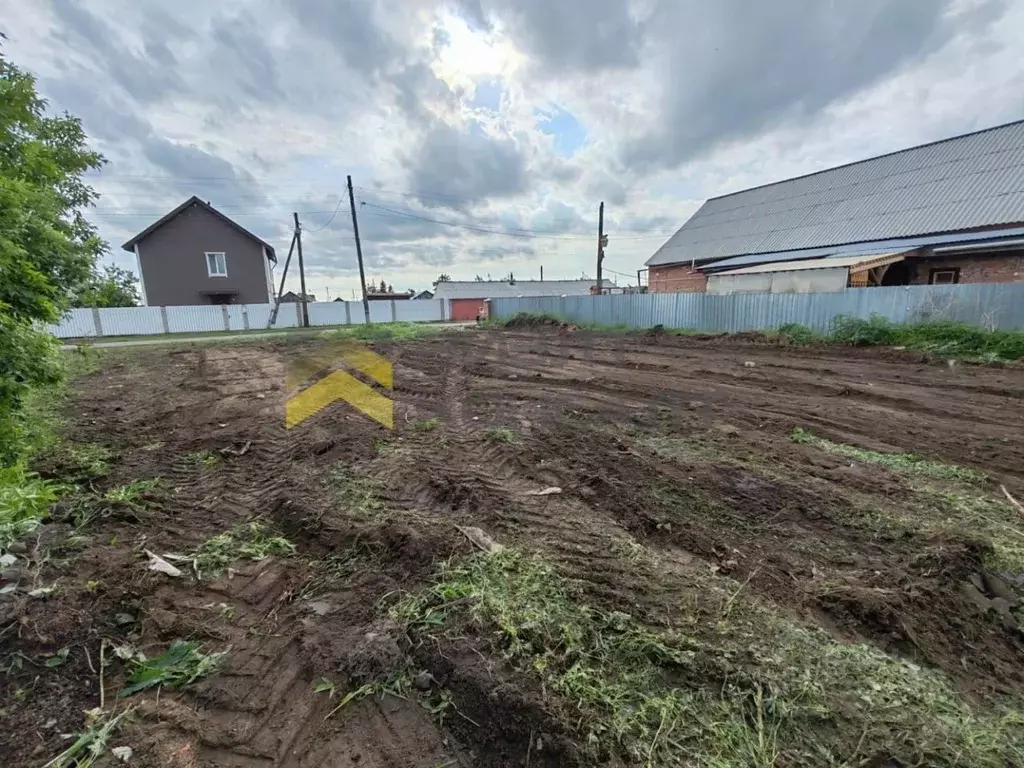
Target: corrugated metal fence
142,321
986,305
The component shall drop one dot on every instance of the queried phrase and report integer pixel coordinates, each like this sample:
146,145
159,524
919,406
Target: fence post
225,317
298,314
245,316
163,320
97,323
394,312
348,313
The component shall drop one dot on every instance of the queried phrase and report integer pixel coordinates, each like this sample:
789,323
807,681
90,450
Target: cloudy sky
482,134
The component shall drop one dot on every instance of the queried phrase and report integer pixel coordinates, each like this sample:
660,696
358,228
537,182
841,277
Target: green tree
47,248
114,287
444,277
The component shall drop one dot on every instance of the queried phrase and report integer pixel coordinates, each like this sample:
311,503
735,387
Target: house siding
173,262
676,278
1006,267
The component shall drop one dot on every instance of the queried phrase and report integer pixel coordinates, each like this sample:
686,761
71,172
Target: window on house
216,265
947,276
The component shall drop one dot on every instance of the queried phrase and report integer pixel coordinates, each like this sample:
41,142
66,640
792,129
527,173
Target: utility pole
284,274
359,250
602,241
302,272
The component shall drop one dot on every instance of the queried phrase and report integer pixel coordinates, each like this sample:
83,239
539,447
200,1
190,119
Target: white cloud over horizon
514,116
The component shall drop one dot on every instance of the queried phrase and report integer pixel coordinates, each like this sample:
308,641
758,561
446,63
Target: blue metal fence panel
989,305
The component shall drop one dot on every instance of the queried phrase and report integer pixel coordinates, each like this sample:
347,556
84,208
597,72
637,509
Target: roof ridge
865,160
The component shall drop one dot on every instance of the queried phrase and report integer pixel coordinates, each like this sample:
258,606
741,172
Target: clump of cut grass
746,687
355,492
181,664
501,435
138,494
907,463
426,425
87,461
251,541
25,501
204,458
91,744
397,683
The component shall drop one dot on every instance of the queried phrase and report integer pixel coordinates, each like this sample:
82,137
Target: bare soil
681,445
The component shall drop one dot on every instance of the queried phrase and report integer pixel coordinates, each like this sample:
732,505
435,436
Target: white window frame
217,262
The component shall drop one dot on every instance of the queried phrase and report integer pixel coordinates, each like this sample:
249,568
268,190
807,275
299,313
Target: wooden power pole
302,272
284,275
602,241
359,250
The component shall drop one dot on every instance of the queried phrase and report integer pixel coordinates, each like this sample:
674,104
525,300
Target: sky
481,135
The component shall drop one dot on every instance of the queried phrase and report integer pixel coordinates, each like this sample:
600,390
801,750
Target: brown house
197,255
947,212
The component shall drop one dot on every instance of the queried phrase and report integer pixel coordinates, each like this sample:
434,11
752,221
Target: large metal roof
993,238
966,182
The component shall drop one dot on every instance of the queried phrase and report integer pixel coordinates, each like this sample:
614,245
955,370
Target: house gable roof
130,245
962,183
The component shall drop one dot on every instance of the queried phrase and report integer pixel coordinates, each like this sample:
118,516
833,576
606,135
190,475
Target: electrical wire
338,208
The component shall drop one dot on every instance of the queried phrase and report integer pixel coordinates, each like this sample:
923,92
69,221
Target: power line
337,208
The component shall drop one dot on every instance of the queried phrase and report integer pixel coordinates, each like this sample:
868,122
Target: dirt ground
681,447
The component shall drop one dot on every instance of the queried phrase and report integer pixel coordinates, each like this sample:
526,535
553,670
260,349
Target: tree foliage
444,277
47,248
113,287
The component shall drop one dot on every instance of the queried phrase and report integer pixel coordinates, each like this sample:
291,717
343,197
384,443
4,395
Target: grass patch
426,425
91,744
742,686
501,435
246,542
948,339
204,458
355,492
386,332
906,463
181,664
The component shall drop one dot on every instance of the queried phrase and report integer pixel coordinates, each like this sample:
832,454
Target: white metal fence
144,321
986,305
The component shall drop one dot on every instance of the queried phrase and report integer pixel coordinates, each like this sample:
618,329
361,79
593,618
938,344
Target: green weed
181,664
907,463
138,494
204,458
246,542
25,500
800,334
737,686
426,425
91,744
501,435
87,461
378,332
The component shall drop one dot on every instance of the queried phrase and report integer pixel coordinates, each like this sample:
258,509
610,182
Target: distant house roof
292,296
502,289
130,245
962,183
854,263
424,295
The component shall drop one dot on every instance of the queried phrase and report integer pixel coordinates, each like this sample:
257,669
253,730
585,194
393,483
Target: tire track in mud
260,709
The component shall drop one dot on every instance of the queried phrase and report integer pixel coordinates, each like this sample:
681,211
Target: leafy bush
799,333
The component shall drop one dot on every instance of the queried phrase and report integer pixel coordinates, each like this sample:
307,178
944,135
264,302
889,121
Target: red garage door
466,309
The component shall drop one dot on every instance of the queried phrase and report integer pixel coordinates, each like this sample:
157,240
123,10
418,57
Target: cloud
501,115
466,165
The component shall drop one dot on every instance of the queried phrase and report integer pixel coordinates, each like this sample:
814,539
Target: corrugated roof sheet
965,182
876,246
874,260
494,289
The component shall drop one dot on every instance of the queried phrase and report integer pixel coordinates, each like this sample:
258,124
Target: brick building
947,212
